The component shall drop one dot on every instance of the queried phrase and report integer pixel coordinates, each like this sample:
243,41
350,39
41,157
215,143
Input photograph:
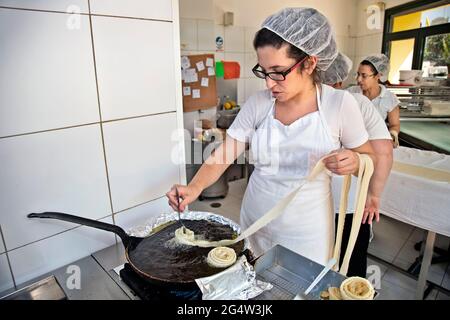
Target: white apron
283,156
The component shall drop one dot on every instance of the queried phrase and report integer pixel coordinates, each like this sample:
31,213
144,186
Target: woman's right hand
188,194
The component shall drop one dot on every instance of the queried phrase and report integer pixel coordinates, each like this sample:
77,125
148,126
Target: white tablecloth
417,201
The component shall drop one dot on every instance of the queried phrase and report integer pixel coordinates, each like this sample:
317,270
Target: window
416,36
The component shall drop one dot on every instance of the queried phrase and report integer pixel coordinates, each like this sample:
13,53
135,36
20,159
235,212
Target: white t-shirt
377,129
339,107
375,126
385,102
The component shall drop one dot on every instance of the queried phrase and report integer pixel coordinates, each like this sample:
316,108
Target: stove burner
149,291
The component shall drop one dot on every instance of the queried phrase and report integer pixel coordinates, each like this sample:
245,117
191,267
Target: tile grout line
7,259
71,229
140,204
85,14
100,115
48,130
56,234
87,124
401,248
140,116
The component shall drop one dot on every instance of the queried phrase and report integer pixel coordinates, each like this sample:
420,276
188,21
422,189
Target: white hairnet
337,71
381,64
306,29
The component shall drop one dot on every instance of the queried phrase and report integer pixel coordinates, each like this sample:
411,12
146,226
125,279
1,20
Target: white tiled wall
40,257
235,39
51,5
139,154
45,65
250,61
6,281
57,153
135,77
249,35
60,170
142,214
2,245
133,8
206,35
188,34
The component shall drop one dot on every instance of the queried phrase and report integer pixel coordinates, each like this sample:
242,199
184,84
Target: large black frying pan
158,258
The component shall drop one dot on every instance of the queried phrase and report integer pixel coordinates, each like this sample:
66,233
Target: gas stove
144,290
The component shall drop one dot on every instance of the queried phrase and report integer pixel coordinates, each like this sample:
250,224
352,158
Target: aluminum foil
238,282
153,224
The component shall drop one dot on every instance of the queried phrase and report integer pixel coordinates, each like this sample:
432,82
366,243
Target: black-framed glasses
363,75
276,76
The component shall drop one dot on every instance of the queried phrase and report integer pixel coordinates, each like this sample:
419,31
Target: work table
426,135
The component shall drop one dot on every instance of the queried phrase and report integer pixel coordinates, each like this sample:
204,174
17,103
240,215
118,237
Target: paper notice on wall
200,66
209,62
205,82
196,93
186,91
185,62
211,72
190,75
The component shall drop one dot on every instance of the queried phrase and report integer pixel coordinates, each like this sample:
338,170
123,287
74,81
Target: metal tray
290,273
45,289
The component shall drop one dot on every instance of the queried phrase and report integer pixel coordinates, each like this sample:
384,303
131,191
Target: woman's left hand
342,162
371,210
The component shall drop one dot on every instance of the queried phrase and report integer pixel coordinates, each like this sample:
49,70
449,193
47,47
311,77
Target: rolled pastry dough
258,224
364,174
221,257
356,288
186,236
335,293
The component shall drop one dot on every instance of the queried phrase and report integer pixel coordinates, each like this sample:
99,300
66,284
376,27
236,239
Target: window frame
419,34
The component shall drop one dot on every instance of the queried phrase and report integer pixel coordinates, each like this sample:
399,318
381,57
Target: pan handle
126,239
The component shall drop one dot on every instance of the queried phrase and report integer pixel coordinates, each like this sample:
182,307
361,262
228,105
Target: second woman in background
372,72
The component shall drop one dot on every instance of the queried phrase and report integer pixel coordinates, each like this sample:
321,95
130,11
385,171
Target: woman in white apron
290,127
373,71
305,226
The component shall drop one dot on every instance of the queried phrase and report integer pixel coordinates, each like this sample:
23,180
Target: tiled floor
393,242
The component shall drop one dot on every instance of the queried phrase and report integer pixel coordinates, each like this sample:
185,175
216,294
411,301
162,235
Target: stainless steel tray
45,289
290,273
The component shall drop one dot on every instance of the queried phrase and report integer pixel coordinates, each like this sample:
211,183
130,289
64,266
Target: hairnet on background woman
372,72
